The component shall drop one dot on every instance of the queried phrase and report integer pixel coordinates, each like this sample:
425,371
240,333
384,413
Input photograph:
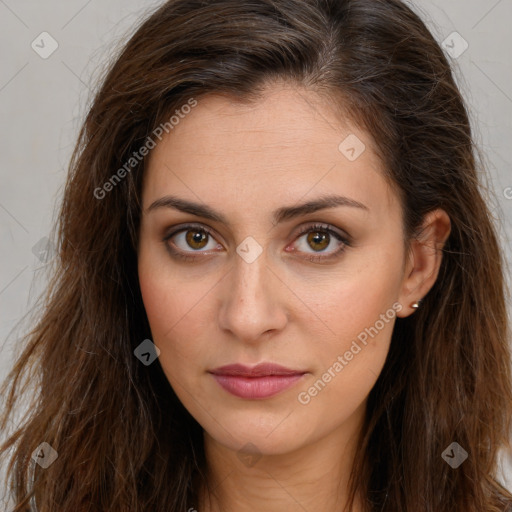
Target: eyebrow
280,215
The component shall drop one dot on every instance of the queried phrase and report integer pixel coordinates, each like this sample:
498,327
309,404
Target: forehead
288,145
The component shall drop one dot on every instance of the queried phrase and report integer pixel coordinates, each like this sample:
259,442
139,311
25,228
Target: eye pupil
318,238
196,237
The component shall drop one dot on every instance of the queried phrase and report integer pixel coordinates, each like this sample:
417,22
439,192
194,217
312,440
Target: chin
259,444
266,434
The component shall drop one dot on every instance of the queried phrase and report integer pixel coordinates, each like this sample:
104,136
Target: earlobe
424,260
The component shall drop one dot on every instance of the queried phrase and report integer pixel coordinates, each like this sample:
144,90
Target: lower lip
256,387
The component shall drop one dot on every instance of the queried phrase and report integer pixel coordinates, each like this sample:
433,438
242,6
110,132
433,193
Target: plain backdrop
43,102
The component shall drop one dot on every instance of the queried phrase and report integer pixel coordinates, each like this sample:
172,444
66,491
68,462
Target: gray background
43,101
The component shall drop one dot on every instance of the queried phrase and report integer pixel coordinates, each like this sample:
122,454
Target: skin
245,162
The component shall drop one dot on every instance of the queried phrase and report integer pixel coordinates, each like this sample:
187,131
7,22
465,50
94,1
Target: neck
312,477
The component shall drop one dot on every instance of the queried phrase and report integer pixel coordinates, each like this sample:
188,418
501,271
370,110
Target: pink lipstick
261,381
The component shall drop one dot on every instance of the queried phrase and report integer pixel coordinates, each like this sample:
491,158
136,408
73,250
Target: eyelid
175,230
301,230
325,227
188,226
340,235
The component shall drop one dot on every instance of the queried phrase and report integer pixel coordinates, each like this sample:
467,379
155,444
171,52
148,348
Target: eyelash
325,228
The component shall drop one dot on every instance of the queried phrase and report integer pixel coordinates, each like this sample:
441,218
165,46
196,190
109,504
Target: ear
424,260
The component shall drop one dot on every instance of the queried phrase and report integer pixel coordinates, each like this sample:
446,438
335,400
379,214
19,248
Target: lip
258,382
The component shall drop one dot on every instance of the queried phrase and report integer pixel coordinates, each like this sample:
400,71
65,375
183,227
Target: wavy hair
124,440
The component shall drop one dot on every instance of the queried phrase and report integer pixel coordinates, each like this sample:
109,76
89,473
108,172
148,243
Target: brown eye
188,243
196,238
184,242
318,240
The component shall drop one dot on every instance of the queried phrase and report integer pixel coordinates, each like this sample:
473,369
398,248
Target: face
248,276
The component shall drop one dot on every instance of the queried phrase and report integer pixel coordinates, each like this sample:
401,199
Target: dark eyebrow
281,214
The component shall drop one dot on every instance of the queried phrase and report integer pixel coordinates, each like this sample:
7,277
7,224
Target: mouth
259,382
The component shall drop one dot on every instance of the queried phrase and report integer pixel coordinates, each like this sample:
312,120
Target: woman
338,340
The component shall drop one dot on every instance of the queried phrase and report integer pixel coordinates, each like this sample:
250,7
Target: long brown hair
123,439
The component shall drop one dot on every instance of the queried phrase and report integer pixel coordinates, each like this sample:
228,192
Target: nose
252,304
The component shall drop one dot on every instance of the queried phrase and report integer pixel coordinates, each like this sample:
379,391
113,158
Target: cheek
350,361
353,300
359,308
174,307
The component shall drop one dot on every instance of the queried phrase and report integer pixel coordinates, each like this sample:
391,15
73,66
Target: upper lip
260,370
